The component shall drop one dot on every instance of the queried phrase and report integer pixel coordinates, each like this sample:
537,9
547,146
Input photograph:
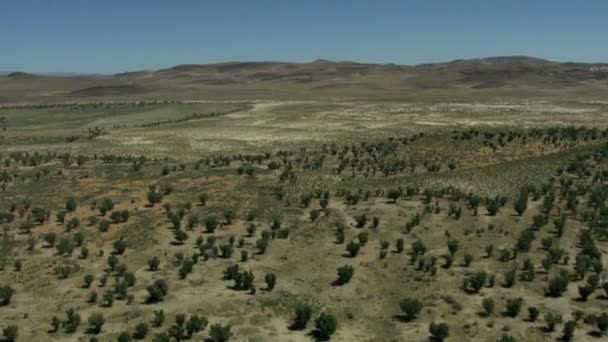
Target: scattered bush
220,333
157,291
6,293
303,313
325,325
345,273
411,307
96,321
439,331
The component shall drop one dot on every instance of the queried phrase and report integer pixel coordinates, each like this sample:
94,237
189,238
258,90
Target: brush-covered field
480,220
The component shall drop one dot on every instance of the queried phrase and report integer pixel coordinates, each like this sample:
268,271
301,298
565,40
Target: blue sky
112,36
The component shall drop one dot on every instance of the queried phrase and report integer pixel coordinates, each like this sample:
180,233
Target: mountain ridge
316,79
317,62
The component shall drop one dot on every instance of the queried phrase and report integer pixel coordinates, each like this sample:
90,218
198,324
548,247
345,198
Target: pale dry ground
271,125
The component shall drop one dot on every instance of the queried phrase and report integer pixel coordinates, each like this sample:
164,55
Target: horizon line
317,60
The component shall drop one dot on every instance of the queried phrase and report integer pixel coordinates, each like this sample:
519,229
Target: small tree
558,285
141,330
303,314
60,215
492,206
533,313
195,324
353,248
439,331
251,228
107,299
6,293
411,307
180,236
124,336
159,318
186,268
521,203
345,273
341,236
157,291
489,251
88,280
226,250
400,244
84,253
105,205
568,332
229,216
468,259
119,246
203,197
65,246
601,321
50,238
153,263
394,194
418,247
72,321
326,324
177,330
363,237
55,324
112,262
488,306
507,338
552,320
529,270
324,202
361,220
70,205
453,246
103,225
78,239
262,244
305,199
271,280
154,197
514,306
314,215
10,333
477,281
72,224
92,297
585,291
96,321
211,224
220,333
510,278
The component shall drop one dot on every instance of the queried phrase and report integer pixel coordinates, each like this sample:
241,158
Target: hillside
318,79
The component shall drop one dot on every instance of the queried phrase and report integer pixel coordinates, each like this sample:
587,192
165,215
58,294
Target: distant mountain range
16,73
317,79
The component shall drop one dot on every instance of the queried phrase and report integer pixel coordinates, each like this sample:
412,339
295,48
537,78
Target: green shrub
345,273
439,331
303,313
411,307
220,333
96,321
6,293
325,325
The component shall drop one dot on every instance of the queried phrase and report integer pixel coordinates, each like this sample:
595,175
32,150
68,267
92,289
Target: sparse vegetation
474,225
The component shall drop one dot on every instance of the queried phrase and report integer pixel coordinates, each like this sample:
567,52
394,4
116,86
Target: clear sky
107,36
